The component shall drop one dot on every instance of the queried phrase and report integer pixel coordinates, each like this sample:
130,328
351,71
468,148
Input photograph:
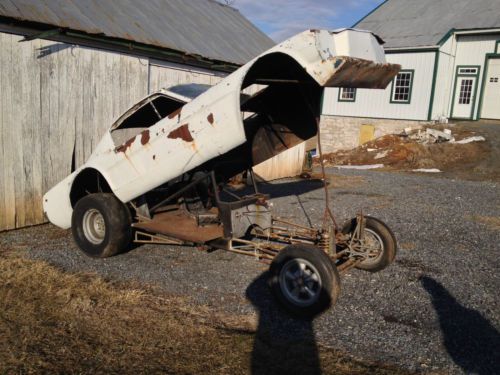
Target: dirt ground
471,161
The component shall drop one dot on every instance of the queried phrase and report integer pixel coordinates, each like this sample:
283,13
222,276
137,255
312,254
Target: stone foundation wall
343,133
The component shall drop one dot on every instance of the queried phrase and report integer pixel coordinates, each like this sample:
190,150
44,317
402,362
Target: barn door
491,98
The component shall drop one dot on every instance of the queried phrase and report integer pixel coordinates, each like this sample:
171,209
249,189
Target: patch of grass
408,246
492,222
55,322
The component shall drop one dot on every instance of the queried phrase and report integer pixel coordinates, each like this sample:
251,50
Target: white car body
212,123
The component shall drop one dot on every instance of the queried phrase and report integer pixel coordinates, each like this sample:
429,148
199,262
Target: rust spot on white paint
181,132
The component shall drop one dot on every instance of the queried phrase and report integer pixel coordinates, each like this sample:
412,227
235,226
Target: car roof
183,93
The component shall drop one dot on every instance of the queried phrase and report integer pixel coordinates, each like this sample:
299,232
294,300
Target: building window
347,94
467,71
401,87
465,91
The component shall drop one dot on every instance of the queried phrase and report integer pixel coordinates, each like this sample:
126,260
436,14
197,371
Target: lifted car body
160,173
212,124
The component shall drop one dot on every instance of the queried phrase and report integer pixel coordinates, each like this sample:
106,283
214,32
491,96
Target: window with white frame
465,91
401,87
347,94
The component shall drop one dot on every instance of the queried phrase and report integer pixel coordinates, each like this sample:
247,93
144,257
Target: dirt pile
408,152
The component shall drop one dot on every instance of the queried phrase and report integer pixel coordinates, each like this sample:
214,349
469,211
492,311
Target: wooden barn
68,68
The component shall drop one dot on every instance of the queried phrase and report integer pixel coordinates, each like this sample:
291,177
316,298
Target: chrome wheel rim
300,282
94,227
373,246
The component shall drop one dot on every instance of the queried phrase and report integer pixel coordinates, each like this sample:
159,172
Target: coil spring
324,242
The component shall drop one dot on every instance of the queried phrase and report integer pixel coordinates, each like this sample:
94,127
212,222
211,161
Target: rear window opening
154,110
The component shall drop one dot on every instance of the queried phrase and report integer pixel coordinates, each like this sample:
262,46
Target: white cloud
284,18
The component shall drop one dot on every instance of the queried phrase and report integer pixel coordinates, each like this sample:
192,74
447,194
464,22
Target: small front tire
304,280
378,237
101,225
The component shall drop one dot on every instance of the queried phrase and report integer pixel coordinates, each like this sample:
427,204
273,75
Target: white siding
376,103
444,80
287,164
471,50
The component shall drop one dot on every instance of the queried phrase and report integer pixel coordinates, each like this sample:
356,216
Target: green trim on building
412,50
446,37
412,71
480,31
485,74
433,87
373,11
340,99
457,75
496,46
377,118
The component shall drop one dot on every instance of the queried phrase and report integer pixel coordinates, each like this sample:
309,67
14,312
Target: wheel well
88,181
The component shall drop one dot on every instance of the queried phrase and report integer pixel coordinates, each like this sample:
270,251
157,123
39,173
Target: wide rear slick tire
304,280
101,225
377,232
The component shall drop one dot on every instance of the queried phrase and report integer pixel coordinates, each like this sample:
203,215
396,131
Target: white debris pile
381,155
427,170
437,136
371,166
432,136
477,138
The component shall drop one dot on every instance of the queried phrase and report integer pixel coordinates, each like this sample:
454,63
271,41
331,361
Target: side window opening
149,114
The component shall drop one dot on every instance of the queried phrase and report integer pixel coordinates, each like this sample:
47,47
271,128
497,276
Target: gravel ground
436,308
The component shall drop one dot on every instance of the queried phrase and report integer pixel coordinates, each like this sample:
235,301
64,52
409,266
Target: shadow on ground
471,340
295,187
282,345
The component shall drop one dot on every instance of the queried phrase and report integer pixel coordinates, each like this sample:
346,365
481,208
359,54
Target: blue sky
283,18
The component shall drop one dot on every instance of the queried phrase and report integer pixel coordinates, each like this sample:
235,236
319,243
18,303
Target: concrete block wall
343,133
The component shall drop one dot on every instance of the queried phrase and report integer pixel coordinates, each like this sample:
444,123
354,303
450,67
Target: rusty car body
159,174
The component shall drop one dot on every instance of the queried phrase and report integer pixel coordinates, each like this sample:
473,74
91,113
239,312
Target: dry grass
408,246
492,222
54,322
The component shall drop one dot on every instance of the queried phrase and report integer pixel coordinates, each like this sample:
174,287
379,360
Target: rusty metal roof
416,23
202,27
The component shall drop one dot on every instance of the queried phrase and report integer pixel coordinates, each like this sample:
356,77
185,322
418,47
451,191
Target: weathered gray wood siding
56,101
162,75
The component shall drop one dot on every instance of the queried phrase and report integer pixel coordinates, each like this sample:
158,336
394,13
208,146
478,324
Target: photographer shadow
471,340
283,345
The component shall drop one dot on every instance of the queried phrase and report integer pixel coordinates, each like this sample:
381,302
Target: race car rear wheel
101,225
304,280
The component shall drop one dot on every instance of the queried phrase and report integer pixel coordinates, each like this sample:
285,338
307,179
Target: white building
68,68
450,57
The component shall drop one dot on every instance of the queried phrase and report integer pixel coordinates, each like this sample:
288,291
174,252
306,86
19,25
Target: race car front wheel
101,225
304,280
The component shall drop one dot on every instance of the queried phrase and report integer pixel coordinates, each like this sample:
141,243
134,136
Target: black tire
378,233
101,225
314,294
